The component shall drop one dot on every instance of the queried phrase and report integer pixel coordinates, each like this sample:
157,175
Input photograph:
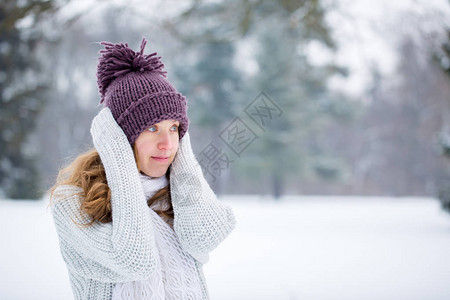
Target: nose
164,142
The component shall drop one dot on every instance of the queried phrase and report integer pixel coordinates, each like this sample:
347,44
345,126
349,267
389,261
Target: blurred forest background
363,89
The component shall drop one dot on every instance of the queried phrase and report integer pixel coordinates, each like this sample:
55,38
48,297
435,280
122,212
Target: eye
153,129
174,127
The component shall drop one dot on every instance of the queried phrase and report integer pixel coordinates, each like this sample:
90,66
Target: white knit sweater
176,275
102,255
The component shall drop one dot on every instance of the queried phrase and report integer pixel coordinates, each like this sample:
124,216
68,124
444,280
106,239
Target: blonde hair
87,172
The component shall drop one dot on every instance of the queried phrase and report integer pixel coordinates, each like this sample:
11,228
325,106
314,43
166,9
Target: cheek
143,149
176,143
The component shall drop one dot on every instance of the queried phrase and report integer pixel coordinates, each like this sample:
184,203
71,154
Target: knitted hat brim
152,109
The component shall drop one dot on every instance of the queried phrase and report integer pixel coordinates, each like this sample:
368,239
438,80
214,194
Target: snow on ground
298,248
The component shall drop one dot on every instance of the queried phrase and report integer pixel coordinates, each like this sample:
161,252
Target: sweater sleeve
123,250
201,222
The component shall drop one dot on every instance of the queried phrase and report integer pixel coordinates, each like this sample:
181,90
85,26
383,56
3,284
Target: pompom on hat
134,87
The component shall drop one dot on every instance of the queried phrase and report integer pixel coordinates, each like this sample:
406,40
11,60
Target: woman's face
156,147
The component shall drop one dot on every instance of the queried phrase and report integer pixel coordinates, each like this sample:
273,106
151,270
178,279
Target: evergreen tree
291,147
442,55
443,59
22,93
211,80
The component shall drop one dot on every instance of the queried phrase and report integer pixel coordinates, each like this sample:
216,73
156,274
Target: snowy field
299,248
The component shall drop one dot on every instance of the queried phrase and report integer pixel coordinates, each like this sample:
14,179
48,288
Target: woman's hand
105,131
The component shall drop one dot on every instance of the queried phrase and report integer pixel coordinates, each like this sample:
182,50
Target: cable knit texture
125,250
176,275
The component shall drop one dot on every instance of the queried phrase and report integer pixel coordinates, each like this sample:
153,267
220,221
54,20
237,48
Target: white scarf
151,185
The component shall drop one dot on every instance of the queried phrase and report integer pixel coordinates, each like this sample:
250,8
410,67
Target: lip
161,158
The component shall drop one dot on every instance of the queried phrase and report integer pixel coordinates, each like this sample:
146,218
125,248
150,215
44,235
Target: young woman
135,217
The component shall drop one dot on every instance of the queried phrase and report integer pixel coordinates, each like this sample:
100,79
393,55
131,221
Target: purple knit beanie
134,87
